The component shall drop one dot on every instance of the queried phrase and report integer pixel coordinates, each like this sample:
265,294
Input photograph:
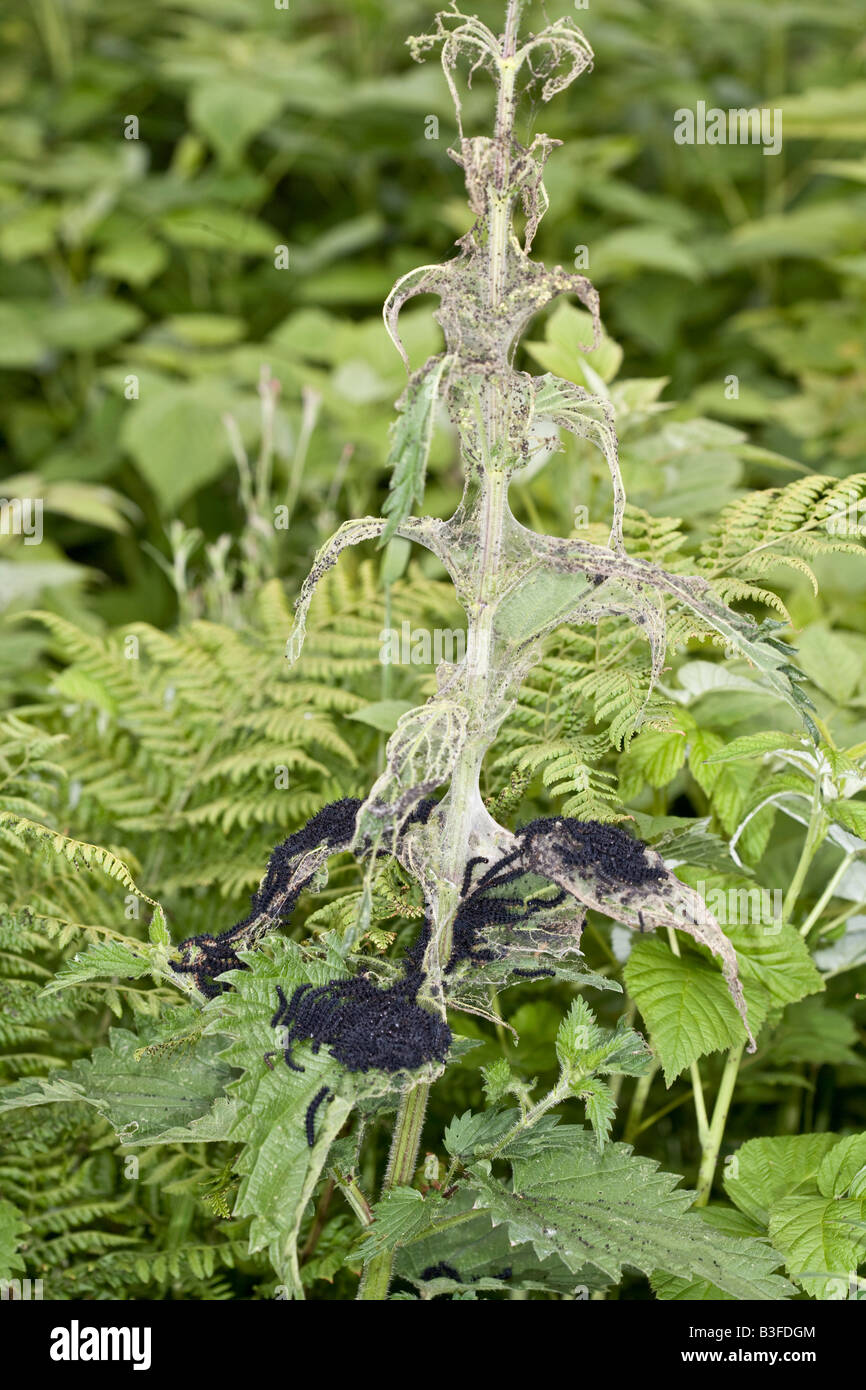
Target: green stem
639,1099
826,895
814,838
694,1071
400,1172
713,1141
560,1091
710,1154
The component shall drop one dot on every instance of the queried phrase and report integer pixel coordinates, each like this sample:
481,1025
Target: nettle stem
712,1142
463,794
710,1155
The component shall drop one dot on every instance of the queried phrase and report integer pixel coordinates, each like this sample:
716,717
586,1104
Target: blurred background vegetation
140,305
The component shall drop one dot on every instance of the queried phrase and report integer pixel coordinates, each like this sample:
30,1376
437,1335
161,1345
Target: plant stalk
400,1172
710,1155
463,791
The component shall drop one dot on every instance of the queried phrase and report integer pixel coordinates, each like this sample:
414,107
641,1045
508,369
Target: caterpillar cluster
368,1027
590,847
329,831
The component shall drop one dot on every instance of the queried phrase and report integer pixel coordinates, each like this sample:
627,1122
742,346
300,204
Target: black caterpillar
310,1117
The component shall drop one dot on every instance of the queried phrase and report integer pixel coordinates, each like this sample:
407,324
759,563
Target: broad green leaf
86,325
683,998
21,342
566,349
481,1253
646,247
134,259
823,1241
684,1002
31,232
210,227
143,1096
205,330
811,1032
178,440
775,965
843,1169
834,663
229,111
766,1170
612,1209
668,1288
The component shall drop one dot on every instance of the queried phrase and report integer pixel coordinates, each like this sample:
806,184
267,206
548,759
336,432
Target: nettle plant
499,905
291,1052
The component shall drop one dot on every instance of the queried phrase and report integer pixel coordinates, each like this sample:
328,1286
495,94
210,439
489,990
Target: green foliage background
153,259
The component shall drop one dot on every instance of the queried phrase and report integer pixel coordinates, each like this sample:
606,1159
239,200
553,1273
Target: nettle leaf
766,1170
683,1000
670,1287
143,1094
684,1003
585,1049
600,1103
843,1170
480,1253
106,960
279,1169
823,1241
470,1134
400,1216
410,445
612,1209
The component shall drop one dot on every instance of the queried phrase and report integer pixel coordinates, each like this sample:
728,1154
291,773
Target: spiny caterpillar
310,1117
